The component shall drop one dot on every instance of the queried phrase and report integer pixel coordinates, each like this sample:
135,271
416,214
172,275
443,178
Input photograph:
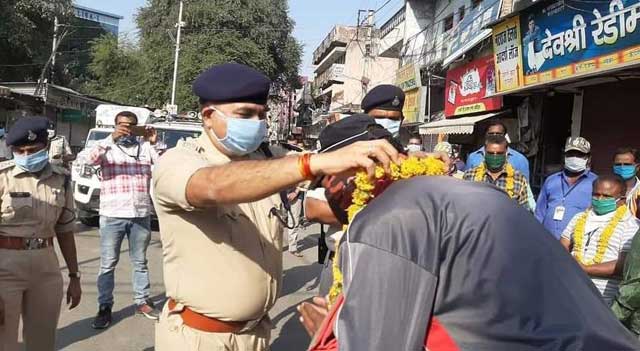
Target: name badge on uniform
558,214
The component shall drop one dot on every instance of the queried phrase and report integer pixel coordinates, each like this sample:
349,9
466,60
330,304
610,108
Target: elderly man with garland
600,237
415,256
497,171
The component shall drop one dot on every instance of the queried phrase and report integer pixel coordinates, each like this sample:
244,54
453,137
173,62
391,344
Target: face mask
495,162
32,163
625,171
414,148
603,206
127,141
575,164
244,136
391,125
1,132
51,133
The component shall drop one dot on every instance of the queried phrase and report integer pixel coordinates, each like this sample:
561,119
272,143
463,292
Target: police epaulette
192,144
6,164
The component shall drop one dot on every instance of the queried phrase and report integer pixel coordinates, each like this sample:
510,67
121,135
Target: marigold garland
366,189
603,241
482,169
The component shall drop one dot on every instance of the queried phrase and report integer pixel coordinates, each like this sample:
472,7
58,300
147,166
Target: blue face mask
32,163
244,136
604,206
625,171
391,125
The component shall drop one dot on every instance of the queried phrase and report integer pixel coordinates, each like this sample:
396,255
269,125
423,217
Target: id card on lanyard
558,213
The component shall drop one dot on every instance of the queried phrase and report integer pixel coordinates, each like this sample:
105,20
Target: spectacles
496,134
495,153
624,164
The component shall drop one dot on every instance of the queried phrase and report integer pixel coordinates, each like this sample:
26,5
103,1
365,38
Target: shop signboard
412,105
468,86
569,38
73,116
408,77
472,29
508,55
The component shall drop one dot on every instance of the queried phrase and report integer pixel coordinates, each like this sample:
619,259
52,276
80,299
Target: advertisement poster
508,55
412,102
468,86
574,37
408,77
473,26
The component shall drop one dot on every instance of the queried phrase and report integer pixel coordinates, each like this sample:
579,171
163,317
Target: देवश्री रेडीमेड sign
568,38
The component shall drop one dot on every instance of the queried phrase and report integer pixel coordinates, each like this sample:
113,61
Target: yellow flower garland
363,193
482,169
603,241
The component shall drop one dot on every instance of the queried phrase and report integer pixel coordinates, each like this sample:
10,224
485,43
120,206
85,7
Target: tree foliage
26,31
253,32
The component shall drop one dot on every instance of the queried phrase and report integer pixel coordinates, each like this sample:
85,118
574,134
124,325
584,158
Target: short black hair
493,123
531,18
495,139
613,178
127,114
627,150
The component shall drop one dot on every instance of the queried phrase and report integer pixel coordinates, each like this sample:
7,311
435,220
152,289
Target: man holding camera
125,210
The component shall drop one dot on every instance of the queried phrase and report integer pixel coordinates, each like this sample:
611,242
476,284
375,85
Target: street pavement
130,332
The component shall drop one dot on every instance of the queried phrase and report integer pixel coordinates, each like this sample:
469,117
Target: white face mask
391,125
575,164
414,148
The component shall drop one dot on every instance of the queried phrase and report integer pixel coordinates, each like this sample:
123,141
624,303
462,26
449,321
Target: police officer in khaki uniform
215,195
36,205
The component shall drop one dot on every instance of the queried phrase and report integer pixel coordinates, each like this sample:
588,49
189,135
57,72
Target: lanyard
564,195
136,157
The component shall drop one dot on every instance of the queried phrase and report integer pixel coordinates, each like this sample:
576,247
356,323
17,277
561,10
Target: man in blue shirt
566,193
516,159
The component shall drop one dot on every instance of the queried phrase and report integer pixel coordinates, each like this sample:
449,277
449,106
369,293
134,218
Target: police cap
27,131
359,127
232,82
385,97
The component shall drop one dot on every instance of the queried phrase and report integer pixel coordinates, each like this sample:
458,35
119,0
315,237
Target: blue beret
28,130
384,97
232,82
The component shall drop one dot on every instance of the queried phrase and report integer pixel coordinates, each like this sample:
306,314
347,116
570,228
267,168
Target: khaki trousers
31,287
173,335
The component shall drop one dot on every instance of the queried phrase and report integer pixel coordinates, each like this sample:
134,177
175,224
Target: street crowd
420,250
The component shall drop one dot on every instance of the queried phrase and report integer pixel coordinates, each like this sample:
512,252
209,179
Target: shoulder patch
6,164
191,144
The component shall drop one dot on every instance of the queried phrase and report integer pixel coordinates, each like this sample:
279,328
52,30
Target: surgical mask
414,148
604,206
127,140
391,125
625,171
495,162
1,132
244,136
51,133
32,163
575,164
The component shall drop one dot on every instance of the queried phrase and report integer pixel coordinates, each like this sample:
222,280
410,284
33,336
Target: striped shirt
619,242
520,183
126,178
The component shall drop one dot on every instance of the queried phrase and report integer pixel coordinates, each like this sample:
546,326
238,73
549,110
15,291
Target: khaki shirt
35,205
224,262
58,147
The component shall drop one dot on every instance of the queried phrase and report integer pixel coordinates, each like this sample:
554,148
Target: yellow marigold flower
363,182
360,197
379,172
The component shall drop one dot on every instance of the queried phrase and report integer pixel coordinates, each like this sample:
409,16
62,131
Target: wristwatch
75,275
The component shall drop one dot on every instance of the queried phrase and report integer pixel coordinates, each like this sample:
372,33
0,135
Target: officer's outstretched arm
246,181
